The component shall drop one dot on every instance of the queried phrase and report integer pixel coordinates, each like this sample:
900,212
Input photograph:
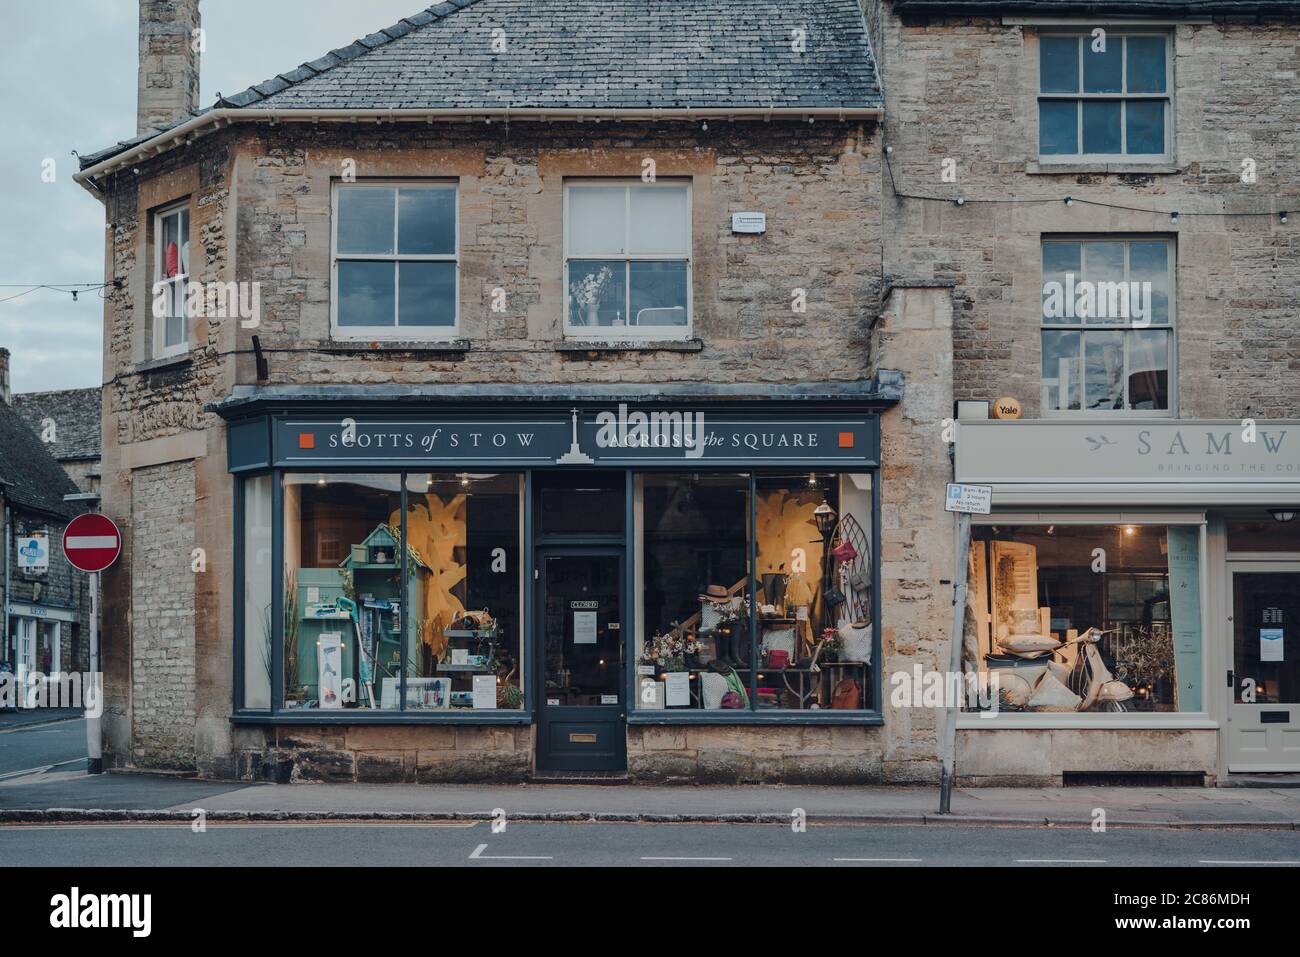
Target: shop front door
580,628
1263,732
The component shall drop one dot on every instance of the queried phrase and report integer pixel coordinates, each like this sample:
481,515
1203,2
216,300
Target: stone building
46,603
70,419
1105,189
642,275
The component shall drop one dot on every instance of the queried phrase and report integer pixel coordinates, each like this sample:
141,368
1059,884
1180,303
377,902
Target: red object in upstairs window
173,260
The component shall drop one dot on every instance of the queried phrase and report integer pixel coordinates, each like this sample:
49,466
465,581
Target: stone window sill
824,716
356,716
354,347
630,345
159,365
1065,169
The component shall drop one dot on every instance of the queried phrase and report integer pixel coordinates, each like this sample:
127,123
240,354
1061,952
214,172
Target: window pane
1101,132
426,221
366,293
1058,128
1061,261
659,221
174,334
1101,303
597,293
365,220
1148,369
693,536
1058,65
1149,262
1146,64
821,611
170,244
343,621
1103,356
1103,71
1105,641
258,623
597,220
659,294
1061,378
465,528
1146,126
580,503
427,294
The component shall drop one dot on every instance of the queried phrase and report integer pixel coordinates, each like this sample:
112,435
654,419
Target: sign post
91,543
964,500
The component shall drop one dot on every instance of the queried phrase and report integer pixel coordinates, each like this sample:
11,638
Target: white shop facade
1164,557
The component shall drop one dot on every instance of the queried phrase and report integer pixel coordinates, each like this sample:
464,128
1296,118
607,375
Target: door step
581,777
1259,780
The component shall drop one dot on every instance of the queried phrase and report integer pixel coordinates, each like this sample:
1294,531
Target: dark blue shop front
571,562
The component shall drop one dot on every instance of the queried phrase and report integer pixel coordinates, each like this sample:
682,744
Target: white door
26,647
1263,730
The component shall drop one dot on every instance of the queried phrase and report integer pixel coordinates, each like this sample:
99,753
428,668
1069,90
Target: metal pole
952,685
94,739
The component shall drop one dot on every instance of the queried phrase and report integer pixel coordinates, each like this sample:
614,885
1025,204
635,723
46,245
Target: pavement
71,795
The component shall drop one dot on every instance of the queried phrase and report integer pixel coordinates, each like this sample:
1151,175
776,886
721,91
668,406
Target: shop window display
797,634
466,652
1085,618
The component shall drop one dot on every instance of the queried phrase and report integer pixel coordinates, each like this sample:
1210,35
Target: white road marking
478,855
18,774
1292,863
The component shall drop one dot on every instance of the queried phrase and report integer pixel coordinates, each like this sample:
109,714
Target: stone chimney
4,376
169,63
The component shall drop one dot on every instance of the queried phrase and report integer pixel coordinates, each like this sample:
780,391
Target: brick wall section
966,89
162,590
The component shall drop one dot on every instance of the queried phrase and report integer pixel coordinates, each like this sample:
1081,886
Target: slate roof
1262,8
31,477
587,54
76,414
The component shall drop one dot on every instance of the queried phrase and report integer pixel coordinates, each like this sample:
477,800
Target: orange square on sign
846,440
306,440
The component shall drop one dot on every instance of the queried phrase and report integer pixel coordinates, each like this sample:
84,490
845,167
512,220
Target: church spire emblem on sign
575,455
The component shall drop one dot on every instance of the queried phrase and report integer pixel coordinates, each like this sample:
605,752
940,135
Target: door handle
1230,682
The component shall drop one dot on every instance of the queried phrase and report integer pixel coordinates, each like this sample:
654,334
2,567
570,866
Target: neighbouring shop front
37,636
575,566
1136,589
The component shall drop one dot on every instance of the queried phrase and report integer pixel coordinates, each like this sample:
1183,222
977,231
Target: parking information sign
974,499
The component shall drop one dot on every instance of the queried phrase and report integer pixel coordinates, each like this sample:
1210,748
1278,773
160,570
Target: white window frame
1123,97
395,332
626,332
160,350
1127,327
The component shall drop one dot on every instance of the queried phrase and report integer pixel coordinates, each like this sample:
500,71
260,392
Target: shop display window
794,634
1085,618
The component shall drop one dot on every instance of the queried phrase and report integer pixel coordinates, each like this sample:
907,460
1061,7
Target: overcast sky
67,81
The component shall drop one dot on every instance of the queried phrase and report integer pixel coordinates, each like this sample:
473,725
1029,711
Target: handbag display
844,551
847,695
778,660
833,597
732,700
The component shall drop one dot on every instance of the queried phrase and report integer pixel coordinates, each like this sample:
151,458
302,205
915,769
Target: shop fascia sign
1179,450
619,435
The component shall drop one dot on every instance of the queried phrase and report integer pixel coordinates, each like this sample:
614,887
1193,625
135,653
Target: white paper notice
584,627
1270,644
677,689
485,691
460,656
313,594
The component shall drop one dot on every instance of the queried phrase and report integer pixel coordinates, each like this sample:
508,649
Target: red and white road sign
91,542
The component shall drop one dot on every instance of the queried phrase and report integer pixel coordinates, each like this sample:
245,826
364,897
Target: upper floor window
171,230
395,271
1102,100
627,260
1108,324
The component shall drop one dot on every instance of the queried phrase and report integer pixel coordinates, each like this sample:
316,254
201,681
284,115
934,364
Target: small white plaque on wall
754,223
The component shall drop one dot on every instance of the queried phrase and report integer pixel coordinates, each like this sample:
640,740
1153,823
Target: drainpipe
8,548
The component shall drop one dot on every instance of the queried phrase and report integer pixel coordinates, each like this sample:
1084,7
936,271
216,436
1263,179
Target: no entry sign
91,542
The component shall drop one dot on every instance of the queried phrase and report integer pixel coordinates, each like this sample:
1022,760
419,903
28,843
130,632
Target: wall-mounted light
1129,530
825,517
1173,217
1282,217
1282,514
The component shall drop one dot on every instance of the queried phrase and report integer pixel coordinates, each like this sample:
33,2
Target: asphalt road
635,845
59,746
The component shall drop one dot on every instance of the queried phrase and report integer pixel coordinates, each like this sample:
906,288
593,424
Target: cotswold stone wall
966,89
162,615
